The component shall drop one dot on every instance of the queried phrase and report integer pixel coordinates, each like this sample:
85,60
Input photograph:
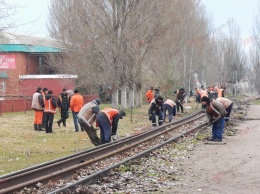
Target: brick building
24,66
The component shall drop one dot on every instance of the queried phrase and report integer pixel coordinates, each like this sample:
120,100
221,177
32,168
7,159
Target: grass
257,102
21,146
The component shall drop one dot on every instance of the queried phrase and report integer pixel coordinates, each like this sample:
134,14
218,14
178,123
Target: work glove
150,117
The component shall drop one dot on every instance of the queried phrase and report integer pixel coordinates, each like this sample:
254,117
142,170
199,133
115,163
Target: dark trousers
179,105
218,128
64,114
105,128
228,110
158,113
43,119
48,122
171,111
75,120
92,133
198,98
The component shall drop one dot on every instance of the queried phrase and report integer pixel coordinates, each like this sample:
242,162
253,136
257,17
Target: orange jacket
149,95
110,113
76,102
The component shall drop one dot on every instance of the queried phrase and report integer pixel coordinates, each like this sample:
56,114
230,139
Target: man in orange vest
149,95
216,113
76,103
50,106
44,93
105,119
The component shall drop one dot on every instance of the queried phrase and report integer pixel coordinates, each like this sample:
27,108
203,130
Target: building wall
28,64
12,82
29,86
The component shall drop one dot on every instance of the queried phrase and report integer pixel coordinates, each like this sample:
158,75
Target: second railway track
92,163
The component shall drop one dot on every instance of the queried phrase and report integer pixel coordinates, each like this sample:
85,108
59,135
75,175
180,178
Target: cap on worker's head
97,100
76,91
45,90
159,96
39,89
121,114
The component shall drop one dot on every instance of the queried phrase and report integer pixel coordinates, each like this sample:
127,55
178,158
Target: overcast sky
33,14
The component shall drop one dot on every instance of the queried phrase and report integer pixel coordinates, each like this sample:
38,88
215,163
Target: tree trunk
131,100
115,98
123,97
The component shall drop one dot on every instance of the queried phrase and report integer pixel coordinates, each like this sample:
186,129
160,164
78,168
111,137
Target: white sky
30,17
33,14
242,11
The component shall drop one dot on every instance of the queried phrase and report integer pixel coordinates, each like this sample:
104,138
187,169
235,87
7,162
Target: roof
10,42
55,76
3,75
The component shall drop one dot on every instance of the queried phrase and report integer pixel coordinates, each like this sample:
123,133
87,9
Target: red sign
7,61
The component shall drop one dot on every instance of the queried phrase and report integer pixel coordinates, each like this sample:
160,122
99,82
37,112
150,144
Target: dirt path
230,168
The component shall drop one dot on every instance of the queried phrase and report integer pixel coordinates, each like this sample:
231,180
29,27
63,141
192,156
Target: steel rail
60,168
89,179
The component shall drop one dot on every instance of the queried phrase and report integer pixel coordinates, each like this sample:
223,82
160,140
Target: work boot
35,127
58,123
40,127
217,140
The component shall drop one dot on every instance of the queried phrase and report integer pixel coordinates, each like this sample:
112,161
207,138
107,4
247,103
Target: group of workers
216,106
44,105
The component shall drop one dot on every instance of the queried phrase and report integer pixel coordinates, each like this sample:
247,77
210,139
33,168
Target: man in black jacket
63,104
180,99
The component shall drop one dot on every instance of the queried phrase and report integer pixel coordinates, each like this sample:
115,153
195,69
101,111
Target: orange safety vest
48,106
110,113
203,93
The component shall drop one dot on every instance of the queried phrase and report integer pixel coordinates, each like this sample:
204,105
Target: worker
228,104
38,107
170,106
215,112
86,118
149,95
76,103
50,106
203,92
156,109
180,96
63,105
197,92
105,119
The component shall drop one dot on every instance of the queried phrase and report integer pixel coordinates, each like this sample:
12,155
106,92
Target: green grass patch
21,146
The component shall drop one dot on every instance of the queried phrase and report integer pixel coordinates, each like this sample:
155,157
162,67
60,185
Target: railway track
90,164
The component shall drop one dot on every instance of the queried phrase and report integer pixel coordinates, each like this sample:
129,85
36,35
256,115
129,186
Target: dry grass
22,147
